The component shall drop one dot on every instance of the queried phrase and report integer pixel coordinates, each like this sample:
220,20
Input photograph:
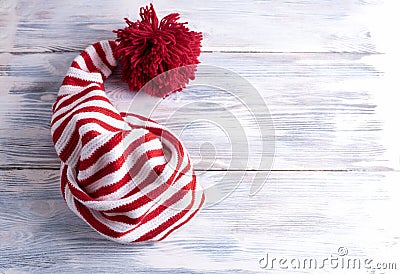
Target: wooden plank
267,26
326,111
303,214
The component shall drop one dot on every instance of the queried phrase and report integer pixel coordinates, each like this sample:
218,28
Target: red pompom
148,48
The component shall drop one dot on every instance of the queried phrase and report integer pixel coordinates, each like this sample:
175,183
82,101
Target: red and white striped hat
125,175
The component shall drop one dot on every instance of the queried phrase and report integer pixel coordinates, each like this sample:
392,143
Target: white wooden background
328,71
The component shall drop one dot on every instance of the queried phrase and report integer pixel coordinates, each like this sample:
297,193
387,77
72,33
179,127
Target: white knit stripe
139,122
62,167
62,145
71,204
69,128
110,205
117,175
71,176
137,179
110,156
74,156
91,103
83,75
186,217
77,152
72,90
95,205
95,143
98,139
159,200
169,145
145,123
81,62
196,206
96,59
109,53
136,213
70,199
114,225
172,190
184,159
157,221
65,110
126,213
141,229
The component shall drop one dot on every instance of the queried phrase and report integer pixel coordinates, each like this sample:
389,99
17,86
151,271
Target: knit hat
125,175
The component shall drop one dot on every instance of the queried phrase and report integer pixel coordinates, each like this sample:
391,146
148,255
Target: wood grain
332,99
325,111
266,26
294,214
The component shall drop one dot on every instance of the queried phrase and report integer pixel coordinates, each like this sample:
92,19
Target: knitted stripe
125,175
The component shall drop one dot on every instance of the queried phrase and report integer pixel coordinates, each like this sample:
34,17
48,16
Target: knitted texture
125,175
149,47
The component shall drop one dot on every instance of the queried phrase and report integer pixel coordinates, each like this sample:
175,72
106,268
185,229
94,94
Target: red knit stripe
183,172
121,218
102,55
112,44
149,179
140,162
79,194
88,136
75,65
73,140
64,153
187,220
64,179
108,169
57,101
146,197
98,152
96,224
115,165
67,150
89,99
168,136
145,119
141,200
90,65
175,198
77,82
171,138
106,190
75,97
58,131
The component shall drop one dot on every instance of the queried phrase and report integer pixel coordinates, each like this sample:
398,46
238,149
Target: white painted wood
267,26
326,110
336,169
304,214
